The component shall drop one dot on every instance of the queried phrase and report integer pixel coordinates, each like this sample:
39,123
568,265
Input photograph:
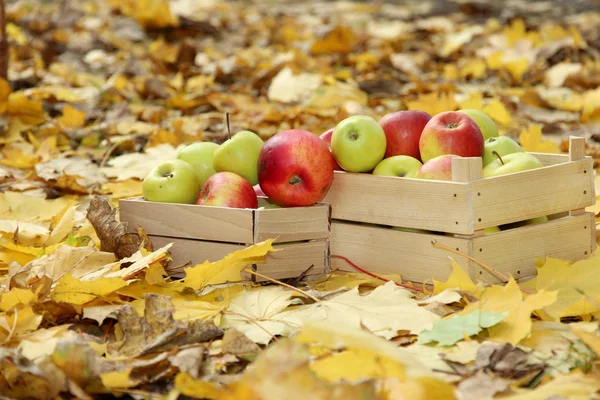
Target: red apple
451,132
403,130
295,168
227,189
326,136
258,190
438,168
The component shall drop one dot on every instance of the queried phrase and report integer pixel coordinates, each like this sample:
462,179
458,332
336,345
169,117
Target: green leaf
449,331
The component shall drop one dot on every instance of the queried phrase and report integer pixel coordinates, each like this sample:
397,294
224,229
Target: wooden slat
411,203
549,159
514,251
289,262
466,169
189,221
576,148
293,259
529,194
382,250
292,224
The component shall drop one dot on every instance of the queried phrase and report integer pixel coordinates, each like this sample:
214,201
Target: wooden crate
364,207
201,233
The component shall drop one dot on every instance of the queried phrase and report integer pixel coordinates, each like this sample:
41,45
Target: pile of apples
296,167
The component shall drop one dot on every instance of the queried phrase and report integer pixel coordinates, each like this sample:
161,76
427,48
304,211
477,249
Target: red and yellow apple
227,189
451,132
295,168
438,168
402,131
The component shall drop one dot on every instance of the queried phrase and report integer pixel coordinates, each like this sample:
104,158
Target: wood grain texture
292,224
385,250
529,194
289,262
514,251
576,148
466,169
393,201
189,221
551,159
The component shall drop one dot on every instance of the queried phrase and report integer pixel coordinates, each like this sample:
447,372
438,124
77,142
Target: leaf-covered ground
99,92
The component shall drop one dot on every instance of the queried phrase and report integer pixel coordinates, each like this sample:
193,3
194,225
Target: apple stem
228,126
295,180
498,155
168,175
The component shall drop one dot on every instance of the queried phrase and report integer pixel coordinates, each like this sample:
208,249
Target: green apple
403,166
503,145
171,181
239,154
200,156
538,220
484,122
415,230
358,143
510,163
491,229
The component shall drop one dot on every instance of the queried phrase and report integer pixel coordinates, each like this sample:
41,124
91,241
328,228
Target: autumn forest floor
100,91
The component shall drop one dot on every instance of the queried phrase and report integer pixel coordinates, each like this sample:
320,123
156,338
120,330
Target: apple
171,181
358,143
295,168
414,230
451,132
510,163
537,220
403,166
438,168
326,137
200,156
491,229
227,189
503,145
239,154
402,131
484,122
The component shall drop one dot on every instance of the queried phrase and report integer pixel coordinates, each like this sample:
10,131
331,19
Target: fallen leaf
458,279
451,330
531,140
433,103
288,88
75,291
337,40
71,118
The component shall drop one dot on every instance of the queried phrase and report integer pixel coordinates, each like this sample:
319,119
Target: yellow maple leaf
155,275
459,278
573,386
475,68
494,60
5,91
517,68
21,320
117,379
509,298
425,388
74,291
225,270
29,111
16,296
338,40
196,388
149,13
531,140
356,364
19,155
433,103
495,110
474,100
515,31
71,117
123,189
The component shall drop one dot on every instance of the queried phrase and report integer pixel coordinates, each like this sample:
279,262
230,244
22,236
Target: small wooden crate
201,233
365,207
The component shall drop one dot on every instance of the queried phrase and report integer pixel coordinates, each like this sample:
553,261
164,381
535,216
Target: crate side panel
189,221
411,203
529,194
385,250
549,159
293,223
293,259
514,251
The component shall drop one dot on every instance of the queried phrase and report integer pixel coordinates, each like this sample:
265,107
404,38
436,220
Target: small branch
282,284
503,277
14,327
3,43
364,271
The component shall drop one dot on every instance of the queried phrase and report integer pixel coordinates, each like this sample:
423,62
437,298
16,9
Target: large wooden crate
201,233
364,207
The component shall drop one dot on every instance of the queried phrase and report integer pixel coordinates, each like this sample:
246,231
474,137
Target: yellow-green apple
171,181
200,156
451,132
510,163
438,168
403,166
414,230
484,122
532,221
358,143
239,154
490,230
503,145
402,131
227,189
326,136
295,168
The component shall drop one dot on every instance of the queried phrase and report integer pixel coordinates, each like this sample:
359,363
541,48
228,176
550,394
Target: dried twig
3,43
